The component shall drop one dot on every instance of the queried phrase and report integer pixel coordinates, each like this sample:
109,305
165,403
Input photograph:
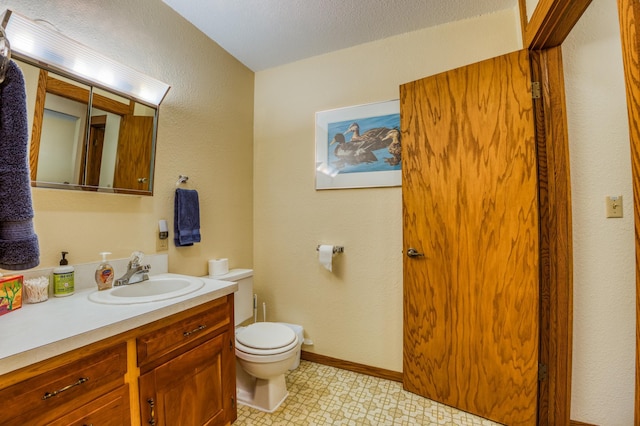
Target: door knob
414,253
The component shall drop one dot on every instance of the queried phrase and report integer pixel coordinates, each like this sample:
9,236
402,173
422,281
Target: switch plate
614,206
162,244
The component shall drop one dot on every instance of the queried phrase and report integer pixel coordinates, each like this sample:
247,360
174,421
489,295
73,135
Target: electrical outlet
614,206
162,245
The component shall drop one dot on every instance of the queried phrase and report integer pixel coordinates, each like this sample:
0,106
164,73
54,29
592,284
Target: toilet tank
243,298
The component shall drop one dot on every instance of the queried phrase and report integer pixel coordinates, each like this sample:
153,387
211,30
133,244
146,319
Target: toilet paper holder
336,249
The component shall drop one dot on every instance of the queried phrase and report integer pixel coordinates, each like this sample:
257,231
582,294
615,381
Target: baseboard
576,423
352,366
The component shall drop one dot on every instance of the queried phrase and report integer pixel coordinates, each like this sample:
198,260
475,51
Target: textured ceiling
266,33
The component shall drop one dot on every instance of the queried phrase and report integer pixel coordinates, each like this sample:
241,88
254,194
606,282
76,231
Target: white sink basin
153,290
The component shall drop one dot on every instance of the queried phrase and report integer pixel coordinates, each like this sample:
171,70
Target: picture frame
359,146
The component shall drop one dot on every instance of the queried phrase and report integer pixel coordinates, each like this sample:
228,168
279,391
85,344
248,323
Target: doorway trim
556,260
629,15
551,22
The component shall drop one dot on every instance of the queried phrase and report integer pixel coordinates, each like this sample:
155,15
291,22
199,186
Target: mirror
84,137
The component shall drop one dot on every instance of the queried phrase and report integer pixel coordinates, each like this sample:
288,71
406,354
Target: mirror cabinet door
87,138
136,147
61,114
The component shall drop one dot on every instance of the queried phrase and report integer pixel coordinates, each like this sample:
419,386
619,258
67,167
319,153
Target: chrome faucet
135,271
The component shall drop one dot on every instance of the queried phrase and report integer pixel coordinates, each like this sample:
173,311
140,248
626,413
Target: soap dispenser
104,273
63,278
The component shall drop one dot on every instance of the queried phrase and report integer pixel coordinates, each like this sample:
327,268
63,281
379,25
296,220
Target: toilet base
261,394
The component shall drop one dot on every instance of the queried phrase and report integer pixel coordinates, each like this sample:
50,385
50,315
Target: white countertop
36,332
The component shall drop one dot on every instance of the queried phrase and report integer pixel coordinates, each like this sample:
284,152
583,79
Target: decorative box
10,293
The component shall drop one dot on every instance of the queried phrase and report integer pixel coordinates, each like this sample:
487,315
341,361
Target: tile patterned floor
322,395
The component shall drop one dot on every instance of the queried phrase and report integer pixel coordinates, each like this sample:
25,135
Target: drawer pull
152,406
80,381
195,330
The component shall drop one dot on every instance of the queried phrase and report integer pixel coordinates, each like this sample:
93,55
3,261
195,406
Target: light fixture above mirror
32,41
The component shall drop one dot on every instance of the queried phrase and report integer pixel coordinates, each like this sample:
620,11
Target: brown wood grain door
188,389
135,144
95,148
470,208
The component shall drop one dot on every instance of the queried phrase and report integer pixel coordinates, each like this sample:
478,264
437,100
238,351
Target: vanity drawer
213,320
111,409
51,394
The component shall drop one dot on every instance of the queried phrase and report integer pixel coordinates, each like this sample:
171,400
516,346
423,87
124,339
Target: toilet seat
266,338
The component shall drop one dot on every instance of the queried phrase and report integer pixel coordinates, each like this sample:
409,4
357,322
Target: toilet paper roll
218,267
325,256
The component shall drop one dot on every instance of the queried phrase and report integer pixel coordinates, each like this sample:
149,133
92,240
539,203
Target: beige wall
205,132
531,6
603,249
354,313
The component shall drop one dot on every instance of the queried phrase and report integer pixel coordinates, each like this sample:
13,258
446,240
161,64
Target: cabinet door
111,409
189,389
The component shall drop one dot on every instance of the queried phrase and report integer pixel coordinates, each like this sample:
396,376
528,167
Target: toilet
264,350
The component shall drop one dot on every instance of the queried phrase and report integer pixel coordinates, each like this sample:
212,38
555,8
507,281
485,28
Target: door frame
556,262
543,34
629,15
536,37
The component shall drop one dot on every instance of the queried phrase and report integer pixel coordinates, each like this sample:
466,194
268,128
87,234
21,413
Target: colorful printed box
10,293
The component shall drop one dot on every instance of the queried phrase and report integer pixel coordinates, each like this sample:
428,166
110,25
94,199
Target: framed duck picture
359,146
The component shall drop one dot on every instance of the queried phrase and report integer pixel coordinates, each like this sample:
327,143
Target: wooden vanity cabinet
179,370
187,369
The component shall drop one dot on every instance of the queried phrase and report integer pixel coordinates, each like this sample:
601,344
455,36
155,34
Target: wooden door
92,158
189,389
133,161
470,208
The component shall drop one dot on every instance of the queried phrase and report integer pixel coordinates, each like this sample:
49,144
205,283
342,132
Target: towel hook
5,53
182,179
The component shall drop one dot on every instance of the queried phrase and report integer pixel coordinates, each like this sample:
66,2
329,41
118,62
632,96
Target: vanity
73,361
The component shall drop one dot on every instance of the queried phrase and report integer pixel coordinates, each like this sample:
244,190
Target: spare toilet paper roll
218,267
325,256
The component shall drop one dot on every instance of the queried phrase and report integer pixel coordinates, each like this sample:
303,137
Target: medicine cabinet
85,133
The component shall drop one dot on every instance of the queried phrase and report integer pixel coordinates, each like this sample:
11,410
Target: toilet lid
266,335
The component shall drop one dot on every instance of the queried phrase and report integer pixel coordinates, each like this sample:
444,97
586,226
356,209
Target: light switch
614,206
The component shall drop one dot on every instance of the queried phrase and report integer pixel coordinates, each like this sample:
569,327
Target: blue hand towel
186,223
18,242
